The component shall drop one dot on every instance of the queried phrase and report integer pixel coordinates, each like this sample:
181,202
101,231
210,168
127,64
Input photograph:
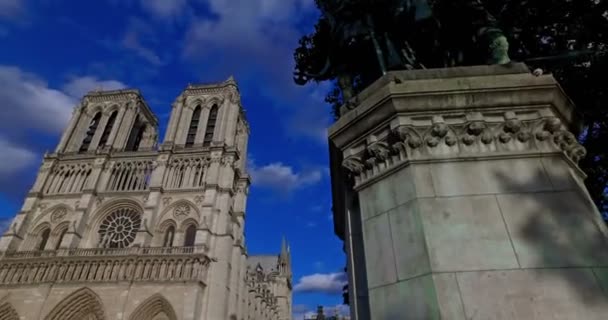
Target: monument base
458,196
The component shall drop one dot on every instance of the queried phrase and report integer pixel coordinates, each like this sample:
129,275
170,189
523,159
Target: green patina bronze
386,27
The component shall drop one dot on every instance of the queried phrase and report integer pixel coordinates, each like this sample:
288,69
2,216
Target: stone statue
383,28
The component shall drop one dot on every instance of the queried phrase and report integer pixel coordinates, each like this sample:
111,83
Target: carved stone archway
155,308
82,304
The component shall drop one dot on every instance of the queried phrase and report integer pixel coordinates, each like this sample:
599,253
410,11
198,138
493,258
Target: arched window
210,126
196,115
108,129
44,238
60,239
190,236
86,142
169,235
136,135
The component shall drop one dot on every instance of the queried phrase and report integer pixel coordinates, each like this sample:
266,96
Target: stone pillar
229,132
42,176
176,111
221,247
202,125
126,125
67,134
80,129
182,129
222,119
471,204
117,125
99,132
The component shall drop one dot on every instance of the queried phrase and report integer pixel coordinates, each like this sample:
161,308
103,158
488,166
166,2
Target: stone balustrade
102,265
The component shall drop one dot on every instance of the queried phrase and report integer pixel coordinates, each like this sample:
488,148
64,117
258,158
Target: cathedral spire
284,247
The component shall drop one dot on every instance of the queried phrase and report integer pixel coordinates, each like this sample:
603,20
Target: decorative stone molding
59,214
167,201
457,135
228,160
104,265
198,200
181,211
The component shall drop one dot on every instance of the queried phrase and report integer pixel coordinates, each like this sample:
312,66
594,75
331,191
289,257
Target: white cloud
242,31
132,40
9,8
282,177
79,86
14,158
164,9
27,101
329,283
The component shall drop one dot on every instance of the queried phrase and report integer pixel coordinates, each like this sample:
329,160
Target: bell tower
117,120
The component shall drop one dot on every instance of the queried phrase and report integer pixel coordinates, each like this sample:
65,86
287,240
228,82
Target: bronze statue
389,32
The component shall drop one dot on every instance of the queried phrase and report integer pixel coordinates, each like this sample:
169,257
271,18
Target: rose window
118,229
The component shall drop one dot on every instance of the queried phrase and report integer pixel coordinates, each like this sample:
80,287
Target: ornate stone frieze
104,265
460,135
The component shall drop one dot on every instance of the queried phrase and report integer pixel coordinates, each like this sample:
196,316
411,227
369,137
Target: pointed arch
154,308
211,122
166,214
83,304
190,235
7,312
86,142
59,233
193,129
108,129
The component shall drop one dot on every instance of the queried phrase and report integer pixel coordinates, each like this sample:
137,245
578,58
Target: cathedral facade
119,227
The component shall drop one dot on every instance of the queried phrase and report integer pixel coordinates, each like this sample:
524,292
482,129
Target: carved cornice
411,138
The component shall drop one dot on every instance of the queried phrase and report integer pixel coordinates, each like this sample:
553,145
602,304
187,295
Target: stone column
67,134
41,178
202,125
75,140
182,129
99,132
176,111
222,118
229,131
126,125
221,248
117,125
470,200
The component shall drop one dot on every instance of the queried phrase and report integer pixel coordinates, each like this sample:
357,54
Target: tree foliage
568,38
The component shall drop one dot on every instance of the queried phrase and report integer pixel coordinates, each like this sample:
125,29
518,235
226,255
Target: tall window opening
44,238
190,236
108,129
86,142
169,235
210,126
136,135
196,115
60,239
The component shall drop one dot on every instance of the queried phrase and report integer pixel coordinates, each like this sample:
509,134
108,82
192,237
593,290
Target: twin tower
117,226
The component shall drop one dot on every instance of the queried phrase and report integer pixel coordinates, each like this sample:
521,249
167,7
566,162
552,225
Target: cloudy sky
54,51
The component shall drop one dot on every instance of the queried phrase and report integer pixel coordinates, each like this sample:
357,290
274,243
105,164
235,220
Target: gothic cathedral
117,227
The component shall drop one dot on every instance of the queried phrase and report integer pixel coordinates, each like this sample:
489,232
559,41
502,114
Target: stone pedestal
458,196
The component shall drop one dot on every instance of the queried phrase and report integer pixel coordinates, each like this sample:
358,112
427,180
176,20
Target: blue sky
54,51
